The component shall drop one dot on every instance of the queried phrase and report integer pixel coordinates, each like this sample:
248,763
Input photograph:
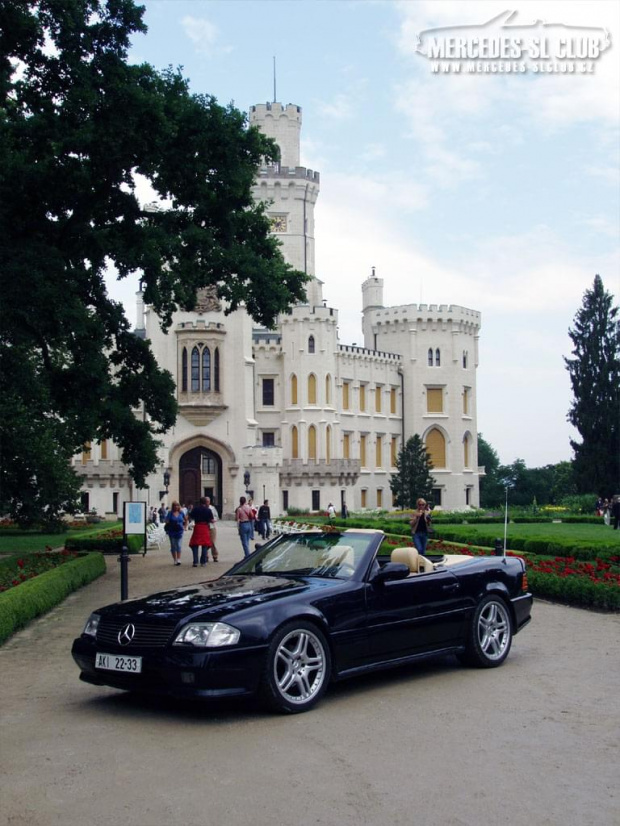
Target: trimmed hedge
21,604
574,591
105,544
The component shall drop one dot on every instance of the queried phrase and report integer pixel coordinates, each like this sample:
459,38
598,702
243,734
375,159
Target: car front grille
146,636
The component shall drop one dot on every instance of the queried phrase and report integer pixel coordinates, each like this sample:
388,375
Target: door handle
453,586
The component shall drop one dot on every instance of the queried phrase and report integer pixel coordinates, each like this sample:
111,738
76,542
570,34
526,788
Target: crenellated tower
289,190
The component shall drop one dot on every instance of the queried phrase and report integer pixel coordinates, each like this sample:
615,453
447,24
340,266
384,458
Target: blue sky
497,192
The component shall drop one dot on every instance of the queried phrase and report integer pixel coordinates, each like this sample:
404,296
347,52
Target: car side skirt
384,664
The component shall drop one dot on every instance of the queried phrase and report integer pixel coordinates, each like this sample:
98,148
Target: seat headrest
408,556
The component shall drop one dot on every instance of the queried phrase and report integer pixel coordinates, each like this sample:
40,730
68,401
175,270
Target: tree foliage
595,379
413,478
77,124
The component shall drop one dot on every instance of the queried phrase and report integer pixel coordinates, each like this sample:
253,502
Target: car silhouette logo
126,634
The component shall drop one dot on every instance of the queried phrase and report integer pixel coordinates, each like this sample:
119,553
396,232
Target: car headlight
208,635
92,623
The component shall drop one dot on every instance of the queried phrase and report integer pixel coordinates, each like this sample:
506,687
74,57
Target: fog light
188,677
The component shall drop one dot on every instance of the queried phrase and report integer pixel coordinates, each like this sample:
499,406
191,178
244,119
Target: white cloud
205,35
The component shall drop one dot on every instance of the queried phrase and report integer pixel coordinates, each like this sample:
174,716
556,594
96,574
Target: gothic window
362,397
379,452
328,389
379,497
269,439
393,400
86,454
346,446
437,358
345,395
216,370
364,498
104,449
311,389
466,393
363,451
311,344
184,370
294,443
465,359
393,451
206,370
467,450
328,444
430,356
293,389
195,370
436,448
378,393
312,442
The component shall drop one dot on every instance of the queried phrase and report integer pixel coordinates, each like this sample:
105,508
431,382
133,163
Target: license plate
114,662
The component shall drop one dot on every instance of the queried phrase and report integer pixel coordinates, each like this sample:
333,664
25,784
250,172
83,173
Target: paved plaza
533,743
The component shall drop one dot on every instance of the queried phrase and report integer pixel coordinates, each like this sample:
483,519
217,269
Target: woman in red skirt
201,516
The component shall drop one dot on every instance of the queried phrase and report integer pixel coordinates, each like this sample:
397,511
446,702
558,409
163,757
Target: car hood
229,593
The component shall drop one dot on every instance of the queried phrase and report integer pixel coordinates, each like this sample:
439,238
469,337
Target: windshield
330,555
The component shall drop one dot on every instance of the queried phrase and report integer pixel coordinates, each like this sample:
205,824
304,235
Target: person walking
420,523
202,518
174,527
245,524
331,512
264,520
615,511
213,528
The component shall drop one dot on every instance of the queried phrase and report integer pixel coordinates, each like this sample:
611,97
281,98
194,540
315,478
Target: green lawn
564,531
29,542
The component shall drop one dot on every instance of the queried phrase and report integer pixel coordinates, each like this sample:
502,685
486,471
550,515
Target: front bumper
177,672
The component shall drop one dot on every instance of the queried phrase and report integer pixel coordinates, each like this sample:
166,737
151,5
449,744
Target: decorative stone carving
207,300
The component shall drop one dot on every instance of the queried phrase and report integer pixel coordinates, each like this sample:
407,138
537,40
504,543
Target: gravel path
533,743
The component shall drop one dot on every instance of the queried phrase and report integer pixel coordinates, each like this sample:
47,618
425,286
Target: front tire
297,668
490,634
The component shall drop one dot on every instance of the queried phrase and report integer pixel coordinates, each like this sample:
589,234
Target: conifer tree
595,378
413,479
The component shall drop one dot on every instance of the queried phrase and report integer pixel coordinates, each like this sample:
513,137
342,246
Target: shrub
105,544
29,600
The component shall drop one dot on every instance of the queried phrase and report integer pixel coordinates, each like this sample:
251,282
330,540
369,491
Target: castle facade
292,414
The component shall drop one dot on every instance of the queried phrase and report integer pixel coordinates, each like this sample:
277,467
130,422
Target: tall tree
595,378
491,488
413,478
77,123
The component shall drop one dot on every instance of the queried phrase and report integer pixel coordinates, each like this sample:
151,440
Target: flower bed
18,569
43,591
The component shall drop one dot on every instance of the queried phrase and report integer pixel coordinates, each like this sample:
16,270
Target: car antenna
505,523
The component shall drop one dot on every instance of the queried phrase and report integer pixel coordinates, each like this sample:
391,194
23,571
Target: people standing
163,512
420,523
174,527
615,511
254,510
213,528
606,511
245,521
331,512
264,520
202,518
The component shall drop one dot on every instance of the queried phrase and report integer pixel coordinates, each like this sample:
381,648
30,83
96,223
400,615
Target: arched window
311,389
206,370
328,389
311,344
465,359
104,449
436,448
294,443
437,358
312,442
293,389
328,444
184,370
466,450
216,370
195,370
430,356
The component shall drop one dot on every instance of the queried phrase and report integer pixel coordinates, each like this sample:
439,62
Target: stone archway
200,474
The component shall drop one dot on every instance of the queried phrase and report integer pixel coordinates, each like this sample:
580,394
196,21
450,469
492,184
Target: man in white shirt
213,528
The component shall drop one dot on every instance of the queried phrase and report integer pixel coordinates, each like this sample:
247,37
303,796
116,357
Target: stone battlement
425,312
262,110
280,172
365,352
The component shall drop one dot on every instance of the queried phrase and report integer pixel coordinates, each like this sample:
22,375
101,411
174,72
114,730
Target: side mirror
391,571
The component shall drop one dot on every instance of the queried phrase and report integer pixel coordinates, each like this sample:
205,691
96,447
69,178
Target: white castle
291,414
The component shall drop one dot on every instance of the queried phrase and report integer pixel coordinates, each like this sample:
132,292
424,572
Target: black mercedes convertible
304,609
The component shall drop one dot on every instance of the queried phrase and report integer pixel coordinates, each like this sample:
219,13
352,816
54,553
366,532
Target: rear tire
490,634
297,668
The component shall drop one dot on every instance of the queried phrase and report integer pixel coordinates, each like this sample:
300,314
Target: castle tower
290,190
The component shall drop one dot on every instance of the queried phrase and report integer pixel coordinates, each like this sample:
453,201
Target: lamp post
246,481
163,493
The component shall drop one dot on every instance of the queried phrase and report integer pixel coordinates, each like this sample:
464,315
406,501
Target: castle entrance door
200,474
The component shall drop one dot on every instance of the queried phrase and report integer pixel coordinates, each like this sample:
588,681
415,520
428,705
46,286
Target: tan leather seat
408,556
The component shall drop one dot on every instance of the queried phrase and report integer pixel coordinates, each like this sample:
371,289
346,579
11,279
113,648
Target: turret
283,124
